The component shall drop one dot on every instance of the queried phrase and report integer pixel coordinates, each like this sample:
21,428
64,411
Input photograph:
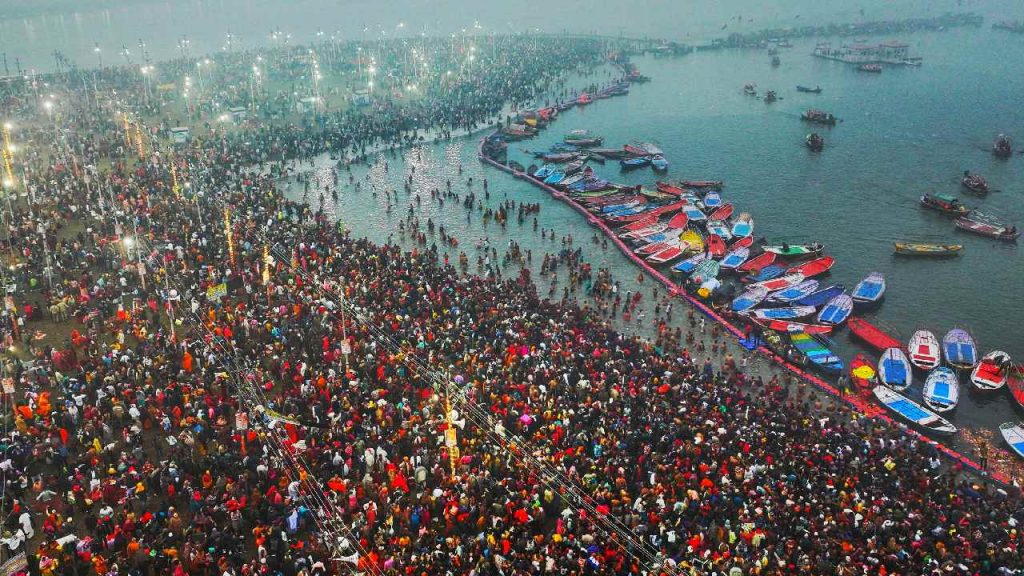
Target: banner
217,291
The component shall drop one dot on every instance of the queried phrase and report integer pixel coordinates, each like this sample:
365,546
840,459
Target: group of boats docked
528,122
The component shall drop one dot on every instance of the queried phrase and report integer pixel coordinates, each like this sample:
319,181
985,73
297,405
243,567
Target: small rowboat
927,250
924,350
718,228
679,220
734,258
819,354
545,171
974,183
795,292
959,350
722,213
745,242
894,369
693,241
634,163
781,283
789,313
712,200
716,246
752,297
755,264
837,310
872,335
655,247
796,250
667,255
992,372
792,327
813,267
941,390
743,226
869,290
659,163
977,224
706,270
1013,433
688,265
862,372
820,297
694,214
912,411
555,177
816,90
1015,382
708,184
946,204
669,188
641,224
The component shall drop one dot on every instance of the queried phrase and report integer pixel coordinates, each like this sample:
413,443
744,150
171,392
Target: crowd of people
227,383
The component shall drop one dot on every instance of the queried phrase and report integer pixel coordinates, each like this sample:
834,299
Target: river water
905,132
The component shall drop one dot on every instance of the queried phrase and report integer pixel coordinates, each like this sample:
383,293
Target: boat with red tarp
872,335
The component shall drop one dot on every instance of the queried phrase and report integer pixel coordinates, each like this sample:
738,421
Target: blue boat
544,171
555,177
749,299
617,207
694,214
869,290
688,265
735,257
628,211
959,349
767,273
894,369
837,310
659,163
788,313
634,163
912,411
821,296
817,352
712,200
563,147
797,292
1013,433
941,390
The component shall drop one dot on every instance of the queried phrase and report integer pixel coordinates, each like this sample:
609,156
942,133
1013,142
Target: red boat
784,326
862,372
669,188
705,184
716,246
977,224
755,264
679,220
723,212
872,335
744,242
1015,382
649,220
813,267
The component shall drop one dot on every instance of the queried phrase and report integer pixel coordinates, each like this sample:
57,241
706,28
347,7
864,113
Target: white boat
894,369
912,411
1013,433
924,350
941,390
992,372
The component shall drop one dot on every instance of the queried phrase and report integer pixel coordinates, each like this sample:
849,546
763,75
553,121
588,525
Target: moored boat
875,68
743,226
787,313
705,271
1015,383
747,300
715,245
687,266
755,264
722,212
992,372
959,349
706,184
795,292
945,203
820,296
1013,433
693,241
927,250
814,267
870,290
712,200
735,257
862,372
635,163
872,335
894,369
924,350
837,310
912,411
816,352
796,250
941,390
659,163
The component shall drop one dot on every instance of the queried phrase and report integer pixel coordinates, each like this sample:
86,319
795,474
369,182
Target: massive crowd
348,406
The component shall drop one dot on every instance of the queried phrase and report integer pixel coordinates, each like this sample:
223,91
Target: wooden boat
715,246
816,352
912,411
766,273
795,292
694,214
582,138
796,250
818,117
656,246
743,226
687,266
992,372
837,310
669,188
974,183
639,225
816,90
814,267
745,242
821,296
894,369
584,99
945,203
927,250
875,68
659,163
924,350
611,153
941,390
712,200
870,290
693,240
780,283
750,90
722,213
706,184
872,335
787,313
1015,382
862,372
718,228
1013,433
634,163
770,97
705,271
1003,146
555,177
758,262
815,142
982,225
545,171
667,255
959,350
747,300
792,327
735,257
